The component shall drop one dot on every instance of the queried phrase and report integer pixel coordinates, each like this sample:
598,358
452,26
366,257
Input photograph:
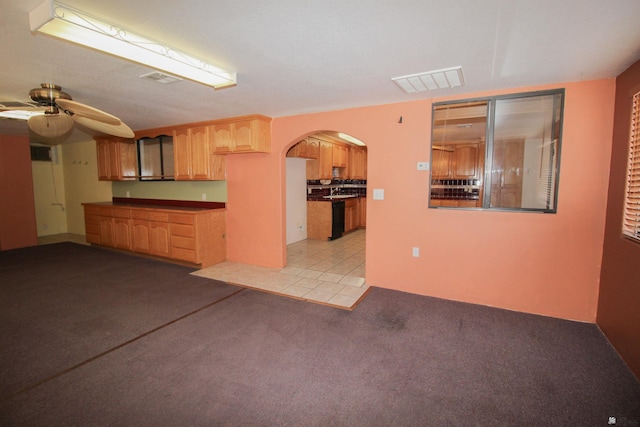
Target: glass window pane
457,154
156,158
525,152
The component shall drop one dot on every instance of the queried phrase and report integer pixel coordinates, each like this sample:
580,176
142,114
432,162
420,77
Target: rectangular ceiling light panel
431,80
70,24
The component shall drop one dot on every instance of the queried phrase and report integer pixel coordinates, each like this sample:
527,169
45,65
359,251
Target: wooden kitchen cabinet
357,168
362,201
507,174
322,168
441,163
319,220
194,236
92,224
351,215
340,156
325,160
251,134
466,161
117,159
193,156
458,161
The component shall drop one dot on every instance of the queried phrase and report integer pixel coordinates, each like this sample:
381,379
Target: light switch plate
378,194
423,166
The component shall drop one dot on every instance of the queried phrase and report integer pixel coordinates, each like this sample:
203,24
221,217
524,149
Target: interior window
155,158
497,153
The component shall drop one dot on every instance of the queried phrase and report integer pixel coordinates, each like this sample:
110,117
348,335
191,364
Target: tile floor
325,272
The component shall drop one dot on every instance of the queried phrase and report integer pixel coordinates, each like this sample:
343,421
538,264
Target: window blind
631,219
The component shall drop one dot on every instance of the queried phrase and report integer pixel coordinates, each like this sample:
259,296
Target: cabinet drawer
159,216
138,214
120,213
91,210
182,219
183,254
183,242
103,211
182,230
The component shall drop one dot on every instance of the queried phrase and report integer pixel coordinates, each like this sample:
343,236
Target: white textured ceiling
302,56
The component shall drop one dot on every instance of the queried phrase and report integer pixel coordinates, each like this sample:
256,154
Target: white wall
296,200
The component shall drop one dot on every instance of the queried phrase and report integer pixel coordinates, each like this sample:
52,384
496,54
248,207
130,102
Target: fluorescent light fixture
438,79
20,114
350,139
67,23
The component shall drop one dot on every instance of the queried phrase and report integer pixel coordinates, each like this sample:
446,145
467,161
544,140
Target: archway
333,166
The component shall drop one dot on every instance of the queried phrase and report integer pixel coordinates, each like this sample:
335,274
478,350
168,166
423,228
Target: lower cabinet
192,236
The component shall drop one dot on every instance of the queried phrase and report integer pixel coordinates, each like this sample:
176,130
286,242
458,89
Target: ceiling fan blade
120,129
79,109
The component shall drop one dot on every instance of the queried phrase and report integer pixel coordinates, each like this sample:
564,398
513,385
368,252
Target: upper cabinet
117,159
350,160
357,163
196,149
458,161
251,134
340,156
193,155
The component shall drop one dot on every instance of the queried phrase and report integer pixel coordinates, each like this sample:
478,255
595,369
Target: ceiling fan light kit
67,23
50,125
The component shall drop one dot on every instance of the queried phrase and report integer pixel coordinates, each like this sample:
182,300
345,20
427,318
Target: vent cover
161,78
438,79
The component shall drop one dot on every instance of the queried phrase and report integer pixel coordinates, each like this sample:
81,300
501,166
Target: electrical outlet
423,166
416,252
204,196
378,194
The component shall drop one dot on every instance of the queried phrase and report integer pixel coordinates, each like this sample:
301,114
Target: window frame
489,146
631,204
164,141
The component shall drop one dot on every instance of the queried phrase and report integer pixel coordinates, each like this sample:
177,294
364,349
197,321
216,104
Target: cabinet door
218,167
441,163
181,154
466,161
243,136
325,162
313,148
121,233
223,138
127,159
506,176
199,152
102,148
140,236
363,211
159,238
106,231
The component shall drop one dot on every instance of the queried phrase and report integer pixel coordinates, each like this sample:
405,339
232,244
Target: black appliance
337,223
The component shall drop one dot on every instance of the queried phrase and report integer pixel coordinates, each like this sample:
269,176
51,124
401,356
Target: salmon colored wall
618,313
17,208
539,263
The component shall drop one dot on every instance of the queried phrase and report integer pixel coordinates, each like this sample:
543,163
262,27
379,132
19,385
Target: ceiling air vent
161,78
431,80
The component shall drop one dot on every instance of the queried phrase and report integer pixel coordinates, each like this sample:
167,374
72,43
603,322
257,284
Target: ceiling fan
60,114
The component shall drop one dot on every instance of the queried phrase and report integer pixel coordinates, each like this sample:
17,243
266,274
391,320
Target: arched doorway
326,179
